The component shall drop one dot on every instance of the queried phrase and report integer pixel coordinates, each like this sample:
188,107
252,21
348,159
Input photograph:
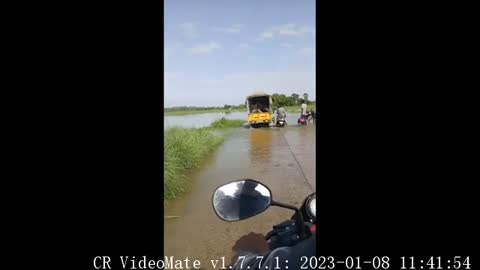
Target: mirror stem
274,203
299,222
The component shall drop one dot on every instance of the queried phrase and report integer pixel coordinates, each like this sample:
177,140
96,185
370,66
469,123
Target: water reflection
260,151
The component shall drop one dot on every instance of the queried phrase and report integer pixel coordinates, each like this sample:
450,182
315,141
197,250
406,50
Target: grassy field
185,149
296,109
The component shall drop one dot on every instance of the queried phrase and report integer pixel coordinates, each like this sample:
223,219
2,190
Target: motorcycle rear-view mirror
241,199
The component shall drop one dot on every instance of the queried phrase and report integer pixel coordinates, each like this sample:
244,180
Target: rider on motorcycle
280,113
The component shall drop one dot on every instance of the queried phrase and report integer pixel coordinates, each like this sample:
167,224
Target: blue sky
218,51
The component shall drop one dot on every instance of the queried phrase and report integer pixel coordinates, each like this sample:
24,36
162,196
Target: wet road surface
281,158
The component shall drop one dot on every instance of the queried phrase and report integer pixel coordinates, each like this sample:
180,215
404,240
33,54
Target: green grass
227,123
185,149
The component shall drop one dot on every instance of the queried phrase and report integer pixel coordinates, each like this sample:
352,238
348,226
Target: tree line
279,100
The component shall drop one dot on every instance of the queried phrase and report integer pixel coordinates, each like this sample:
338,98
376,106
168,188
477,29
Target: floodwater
281,158
199,120
205,119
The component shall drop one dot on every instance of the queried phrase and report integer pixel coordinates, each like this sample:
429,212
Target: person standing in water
303,110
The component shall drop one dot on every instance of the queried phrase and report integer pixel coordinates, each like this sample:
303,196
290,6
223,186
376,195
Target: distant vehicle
259,106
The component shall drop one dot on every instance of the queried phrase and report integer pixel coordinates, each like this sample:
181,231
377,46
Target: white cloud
231,29
205,48
245,46
265,35
187,29
289,29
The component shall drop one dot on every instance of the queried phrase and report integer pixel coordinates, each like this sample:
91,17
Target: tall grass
185,149
227,123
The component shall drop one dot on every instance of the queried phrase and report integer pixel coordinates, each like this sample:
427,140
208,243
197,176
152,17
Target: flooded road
205,119
281,158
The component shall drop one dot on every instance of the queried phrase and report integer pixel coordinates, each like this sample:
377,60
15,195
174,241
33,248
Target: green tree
284,101
295,97
305,96
289,101
275,100
279,100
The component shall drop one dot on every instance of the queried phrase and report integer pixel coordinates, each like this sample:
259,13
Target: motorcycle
302,121
281,121
242,199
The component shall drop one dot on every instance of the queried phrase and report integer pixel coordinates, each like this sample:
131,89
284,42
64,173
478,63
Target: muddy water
205,119
199,120
281,158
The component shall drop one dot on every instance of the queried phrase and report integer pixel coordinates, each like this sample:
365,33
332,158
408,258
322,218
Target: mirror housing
241,199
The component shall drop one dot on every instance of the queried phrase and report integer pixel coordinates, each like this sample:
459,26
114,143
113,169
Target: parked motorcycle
245,198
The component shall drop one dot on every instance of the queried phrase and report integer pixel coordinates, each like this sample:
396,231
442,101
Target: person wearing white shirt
304,113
